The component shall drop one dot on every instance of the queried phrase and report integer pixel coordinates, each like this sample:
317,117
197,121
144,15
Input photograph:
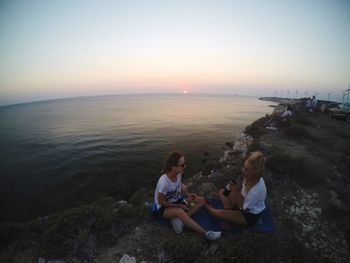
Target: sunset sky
53,49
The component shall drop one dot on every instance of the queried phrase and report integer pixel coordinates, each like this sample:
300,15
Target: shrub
250,247
305,171
279,162
257,128
302,121
139,197
184,248
9,232
254,146
75,230
298,133
296,251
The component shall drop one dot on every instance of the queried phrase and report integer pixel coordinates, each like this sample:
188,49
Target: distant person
168,198
280,119
313,104
244,206
308,104
284,118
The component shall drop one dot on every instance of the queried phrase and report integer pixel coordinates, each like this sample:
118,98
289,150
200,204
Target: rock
212,250
147,204
162,257
333,200
42,260
292,210
265,147
298,211
230,144
127,259
312,214
318,210
308,228
207,189
120,204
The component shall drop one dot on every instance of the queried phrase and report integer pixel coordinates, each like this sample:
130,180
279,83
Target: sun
185,91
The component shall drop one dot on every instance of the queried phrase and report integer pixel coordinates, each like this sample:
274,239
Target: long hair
257,161
172,159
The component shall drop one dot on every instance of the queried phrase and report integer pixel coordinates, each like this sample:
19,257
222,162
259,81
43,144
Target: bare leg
173,212
230,202
226,202
199,203
234,216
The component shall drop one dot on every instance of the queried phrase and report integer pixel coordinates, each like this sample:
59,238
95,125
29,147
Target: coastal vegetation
308,193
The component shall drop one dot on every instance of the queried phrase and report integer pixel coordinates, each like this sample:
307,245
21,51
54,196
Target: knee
178,211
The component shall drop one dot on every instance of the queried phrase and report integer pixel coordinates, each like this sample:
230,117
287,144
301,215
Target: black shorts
251,219
160,212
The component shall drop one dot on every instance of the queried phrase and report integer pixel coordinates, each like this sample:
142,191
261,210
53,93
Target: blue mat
208,222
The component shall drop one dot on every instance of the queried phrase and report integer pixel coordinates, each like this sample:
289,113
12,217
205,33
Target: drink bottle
229,185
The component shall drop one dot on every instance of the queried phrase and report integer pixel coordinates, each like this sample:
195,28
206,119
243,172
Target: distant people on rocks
168,201
244,204
286,115
313,104
280,119
308,105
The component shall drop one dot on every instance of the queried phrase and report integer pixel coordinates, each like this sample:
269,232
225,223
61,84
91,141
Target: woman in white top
168,197
244,207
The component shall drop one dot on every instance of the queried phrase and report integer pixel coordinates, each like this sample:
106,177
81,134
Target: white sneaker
213,235
177,224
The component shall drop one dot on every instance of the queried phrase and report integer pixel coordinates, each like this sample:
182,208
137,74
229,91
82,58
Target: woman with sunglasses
168,202
244,207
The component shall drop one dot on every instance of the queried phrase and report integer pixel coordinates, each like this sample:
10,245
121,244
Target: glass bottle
229,185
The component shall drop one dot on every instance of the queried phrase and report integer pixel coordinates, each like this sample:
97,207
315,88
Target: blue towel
208,222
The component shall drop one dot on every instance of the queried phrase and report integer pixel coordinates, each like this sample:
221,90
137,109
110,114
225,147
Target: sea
59,154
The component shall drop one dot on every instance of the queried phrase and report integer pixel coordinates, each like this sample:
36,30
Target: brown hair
257,160
172,159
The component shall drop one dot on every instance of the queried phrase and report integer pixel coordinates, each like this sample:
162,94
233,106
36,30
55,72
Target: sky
54,49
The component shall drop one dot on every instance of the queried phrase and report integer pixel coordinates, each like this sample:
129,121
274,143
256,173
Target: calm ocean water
61,153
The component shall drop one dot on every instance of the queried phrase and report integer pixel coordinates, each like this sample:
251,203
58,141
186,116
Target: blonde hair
257,161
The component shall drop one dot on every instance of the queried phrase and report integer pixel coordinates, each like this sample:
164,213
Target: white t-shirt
286,113
254,200
170,189
314,103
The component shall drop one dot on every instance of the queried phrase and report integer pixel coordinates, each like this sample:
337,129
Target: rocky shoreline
307,177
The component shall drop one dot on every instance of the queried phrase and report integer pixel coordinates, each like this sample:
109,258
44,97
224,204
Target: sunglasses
182,165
